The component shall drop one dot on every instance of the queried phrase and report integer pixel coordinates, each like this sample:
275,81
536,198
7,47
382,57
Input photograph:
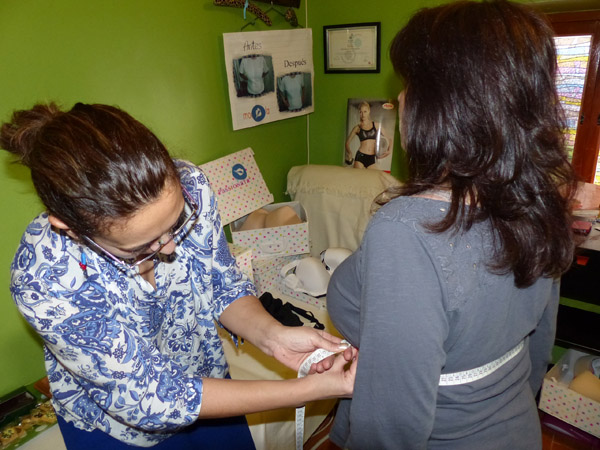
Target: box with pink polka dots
283,240
565,395
238,184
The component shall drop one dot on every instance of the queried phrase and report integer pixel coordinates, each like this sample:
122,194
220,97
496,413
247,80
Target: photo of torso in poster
270,75
370,129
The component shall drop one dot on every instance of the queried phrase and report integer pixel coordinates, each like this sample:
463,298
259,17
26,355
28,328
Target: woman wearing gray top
453,293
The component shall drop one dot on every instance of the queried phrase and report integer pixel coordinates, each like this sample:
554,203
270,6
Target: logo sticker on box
238,185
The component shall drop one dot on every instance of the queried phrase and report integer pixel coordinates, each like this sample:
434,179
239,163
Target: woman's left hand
247,318
293,345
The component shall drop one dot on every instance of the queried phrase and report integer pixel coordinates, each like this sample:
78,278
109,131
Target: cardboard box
567,405
267,278
277,241
587,196
238,185
243,257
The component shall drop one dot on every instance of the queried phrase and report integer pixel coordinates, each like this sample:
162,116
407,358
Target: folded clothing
287,313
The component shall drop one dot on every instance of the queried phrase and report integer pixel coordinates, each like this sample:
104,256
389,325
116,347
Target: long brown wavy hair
482,118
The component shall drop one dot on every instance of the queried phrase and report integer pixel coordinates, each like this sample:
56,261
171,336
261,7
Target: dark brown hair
482,116
91,165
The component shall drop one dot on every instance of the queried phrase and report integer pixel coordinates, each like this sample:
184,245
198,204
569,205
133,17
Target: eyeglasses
176,234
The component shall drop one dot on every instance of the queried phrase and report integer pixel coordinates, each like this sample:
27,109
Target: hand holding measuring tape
291,346
320,361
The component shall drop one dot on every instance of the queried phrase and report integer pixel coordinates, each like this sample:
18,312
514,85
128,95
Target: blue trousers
205,434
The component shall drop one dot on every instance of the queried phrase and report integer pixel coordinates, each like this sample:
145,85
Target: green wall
162,61
328,122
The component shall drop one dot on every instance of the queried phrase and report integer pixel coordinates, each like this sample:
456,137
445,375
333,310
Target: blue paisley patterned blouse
122,356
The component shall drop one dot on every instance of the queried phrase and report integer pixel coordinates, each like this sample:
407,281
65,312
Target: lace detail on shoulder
462,258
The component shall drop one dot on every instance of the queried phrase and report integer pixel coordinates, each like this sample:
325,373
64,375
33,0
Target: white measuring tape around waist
314,357
468,376
446,379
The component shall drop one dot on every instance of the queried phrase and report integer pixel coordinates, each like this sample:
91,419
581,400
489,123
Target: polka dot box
567,405
267,278
238,184
277,241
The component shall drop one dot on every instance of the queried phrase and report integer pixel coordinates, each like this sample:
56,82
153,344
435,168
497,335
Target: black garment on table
286,313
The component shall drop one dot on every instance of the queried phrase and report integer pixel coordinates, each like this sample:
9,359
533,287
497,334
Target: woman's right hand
337,381
325,364
226,398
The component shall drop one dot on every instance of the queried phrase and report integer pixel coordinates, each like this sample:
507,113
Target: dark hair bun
19,136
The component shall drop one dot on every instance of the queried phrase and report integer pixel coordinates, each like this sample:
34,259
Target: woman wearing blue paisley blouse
126,275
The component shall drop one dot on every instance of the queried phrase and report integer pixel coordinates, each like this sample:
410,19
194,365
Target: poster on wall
370,126
270,75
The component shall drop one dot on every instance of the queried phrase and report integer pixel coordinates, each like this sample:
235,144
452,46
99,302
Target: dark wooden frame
377,29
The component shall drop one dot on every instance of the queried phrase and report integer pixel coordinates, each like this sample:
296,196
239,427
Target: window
578,84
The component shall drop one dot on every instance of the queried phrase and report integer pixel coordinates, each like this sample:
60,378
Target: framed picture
352,48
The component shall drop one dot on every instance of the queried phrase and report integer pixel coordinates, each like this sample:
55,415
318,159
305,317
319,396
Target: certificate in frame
352,48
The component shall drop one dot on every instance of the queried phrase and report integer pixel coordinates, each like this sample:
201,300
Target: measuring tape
468,376
448,379
314,357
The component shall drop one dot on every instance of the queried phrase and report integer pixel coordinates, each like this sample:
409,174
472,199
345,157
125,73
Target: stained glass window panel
573,53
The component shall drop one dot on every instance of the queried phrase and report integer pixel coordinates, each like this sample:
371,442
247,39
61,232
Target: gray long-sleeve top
419,304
